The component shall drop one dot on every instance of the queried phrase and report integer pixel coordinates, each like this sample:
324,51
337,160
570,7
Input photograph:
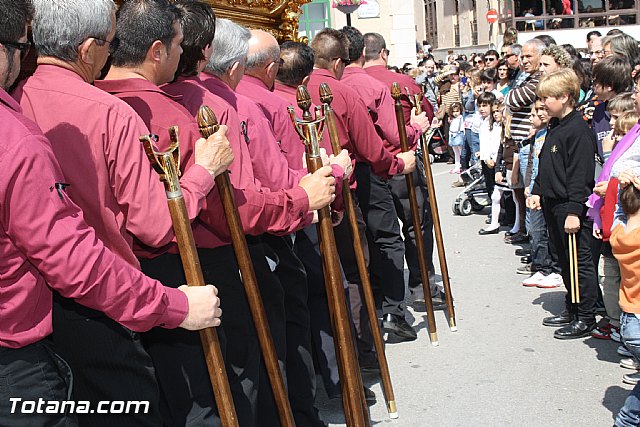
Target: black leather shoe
488,220
523,252
526,259
575,329
369,396
397,325
484,232
561,319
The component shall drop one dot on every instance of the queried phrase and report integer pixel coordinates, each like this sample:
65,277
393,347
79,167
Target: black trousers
32,373
386,247
555,214
359,314
489,177
401,200
177,354
307,249
108,362
301,377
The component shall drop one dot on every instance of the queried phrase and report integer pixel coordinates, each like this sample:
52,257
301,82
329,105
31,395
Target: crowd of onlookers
556,134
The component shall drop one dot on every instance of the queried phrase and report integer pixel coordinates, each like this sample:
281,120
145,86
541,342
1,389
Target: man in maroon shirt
230,48
358,134
46,244
151,37
376,66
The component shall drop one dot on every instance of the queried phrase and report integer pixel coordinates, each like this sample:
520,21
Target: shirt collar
255,81
132,85
7,100
323,73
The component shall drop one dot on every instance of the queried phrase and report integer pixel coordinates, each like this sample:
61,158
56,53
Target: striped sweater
519,101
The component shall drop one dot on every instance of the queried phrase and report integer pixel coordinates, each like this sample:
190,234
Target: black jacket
567,163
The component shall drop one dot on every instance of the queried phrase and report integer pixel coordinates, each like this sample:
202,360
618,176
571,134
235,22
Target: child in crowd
564,182
619,104
625,242
491,111
456,133
543,262
608,269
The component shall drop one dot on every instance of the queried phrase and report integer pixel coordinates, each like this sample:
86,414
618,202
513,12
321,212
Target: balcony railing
594,18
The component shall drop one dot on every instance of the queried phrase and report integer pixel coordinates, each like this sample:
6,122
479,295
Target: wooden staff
415,214
167,164
355,407
416,101
573,268
327,97
208,125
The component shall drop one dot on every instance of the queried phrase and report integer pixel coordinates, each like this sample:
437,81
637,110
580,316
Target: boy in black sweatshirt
564,182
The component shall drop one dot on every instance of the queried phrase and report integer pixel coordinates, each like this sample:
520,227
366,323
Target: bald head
263,49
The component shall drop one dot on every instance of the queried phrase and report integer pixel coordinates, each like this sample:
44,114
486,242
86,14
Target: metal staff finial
326,96
165,163
396,92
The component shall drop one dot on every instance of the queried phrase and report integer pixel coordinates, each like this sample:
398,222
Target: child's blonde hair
559,83
621,102
625,122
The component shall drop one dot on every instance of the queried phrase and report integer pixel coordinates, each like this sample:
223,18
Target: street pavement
502,367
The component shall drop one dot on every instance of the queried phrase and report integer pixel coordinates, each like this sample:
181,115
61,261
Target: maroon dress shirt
270,165
95,138
387,77
45,243
355,128
377,97
275,110
260,211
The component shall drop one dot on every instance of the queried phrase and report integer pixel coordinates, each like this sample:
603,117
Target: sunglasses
490,58
22,47
345,61
478,61
113,44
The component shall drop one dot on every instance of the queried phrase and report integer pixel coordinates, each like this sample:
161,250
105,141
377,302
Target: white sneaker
553,280
622,351
533,281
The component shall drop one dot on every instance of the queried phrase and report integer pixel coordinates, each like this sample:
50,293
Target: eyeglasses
489,58
478,61
113,44
387,52
597,53
22,47
345,61
279,62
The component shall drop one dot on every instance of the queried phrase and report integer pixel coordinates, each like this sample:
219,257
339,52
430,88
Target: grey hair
60,26
538,44
516,49
263,57
230,45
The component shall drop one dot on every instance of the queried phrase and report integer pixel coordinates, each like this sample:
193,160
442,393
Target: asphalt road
502,367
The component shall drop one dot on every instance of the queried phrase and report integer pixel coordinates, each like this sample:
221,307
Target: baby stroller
474,196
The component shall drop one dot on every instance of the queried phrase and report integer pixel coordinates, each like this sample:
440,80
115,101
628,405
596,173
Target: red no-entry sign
492,16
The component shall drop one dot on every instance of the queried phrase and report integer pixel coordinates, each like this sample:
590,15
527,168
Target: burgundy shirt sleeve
138,189
49,229
367,142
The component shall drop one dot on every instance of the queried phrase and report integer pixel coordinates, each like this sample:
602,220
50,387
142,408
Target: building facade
401,22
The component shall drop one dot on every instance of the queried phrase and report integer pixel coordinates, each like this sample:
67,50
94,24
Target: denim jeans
469,149
629,415
540,256
609,279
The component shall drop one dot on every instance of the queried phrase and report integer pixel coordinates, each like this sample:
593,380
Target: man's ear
234,71
156,50
85,50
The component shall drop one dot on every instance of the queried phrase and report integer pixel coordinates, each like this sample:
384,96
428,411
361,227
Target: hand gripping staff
416,101
167,165
329,116
415,216
355,408
208,125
